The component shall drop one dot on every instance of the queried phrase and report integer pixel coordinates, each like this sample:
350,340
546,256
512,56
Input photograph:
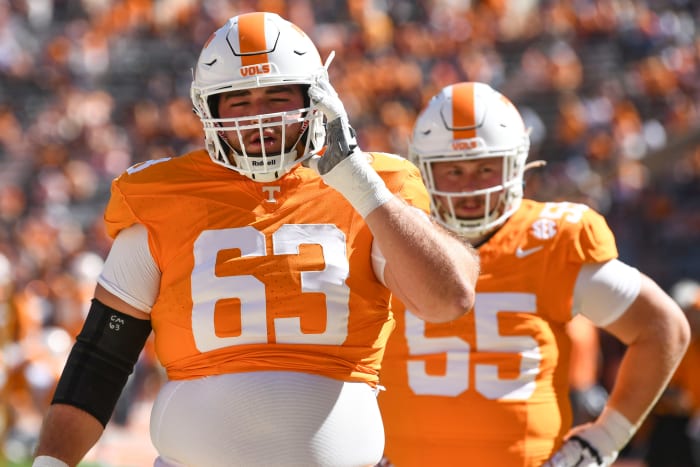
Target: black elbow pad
101,360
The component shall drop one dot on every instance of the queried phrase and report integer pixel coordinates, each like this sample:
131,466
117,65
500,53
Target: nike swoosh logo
520,253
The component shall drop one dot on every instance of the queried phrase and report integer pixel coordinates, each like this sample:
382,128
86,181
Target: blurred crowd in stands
610,88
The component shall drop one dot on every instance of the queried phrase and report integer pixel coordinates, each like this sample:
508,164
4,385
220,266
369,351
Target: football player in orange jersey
491,388
265,270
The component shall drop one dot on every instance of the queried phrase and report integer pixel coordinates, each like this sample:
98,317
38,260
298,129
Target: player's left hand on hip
343,165
576,452
594,444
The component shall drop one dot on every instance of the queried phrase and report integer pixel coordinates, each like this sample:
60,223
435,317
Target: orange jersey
491,387
260,276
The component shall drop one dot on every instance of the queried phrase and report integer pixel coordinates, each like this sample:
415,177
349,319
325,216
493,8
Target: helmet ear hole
213,103
305,93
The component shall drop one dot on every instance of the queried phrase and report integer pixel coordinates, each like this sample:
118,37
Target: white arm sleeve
604,291
378,259
130,272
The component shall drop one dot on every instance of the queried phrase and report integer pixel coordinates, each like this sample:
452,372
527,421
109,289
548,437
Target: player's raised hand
343,165
340,137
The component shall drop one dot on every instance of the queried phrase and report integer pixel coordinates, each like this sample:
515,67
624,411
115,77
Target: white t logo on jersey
271,190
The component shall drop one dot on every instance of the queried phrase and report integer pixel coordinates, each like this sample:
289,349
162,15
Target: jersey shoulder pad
583,232
130,192
168,169
141,166
384,161
402,178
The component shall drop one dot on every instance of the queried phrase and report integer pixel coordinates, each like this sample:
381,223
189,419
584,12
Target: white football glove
575,452
594,444
343,166
324,97
340,137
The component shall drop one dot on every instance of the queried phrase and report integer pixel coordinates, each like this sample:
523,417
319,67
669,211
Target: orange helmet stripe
251,37
463,118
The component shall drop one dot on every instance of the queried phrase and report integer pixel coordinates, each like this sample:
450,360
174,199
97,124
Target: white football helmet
251,51
467,121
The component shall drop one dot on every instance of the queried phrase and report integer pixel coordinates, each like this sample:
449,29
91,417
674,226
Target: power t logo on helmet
258,50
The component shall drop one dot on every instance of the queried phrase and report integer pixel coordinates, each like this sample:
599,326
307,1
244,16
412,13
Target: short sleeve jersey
260,276
491,387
